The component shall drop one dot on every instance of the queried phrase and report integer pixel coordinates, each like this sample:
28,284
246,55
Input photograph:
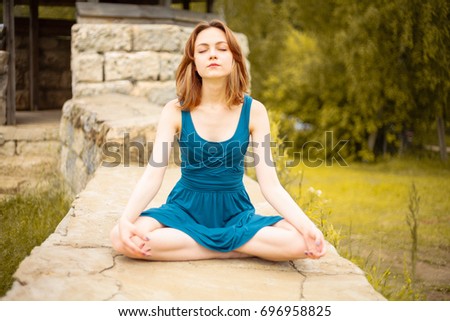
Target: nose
212,54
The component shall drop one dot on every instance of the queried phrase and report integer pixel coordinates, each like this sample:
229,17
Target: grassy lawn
26,220
369,204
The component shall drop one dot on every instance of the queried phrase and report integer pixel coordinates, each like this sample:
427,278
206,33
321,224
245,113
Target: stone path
28,149
77,263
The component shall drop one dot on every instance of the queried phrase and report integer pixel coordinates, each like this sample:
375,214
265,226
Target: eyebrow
217,43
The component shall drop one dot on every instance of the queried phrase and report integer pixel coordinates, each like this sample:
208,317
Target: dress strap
247,105
187,125
245,117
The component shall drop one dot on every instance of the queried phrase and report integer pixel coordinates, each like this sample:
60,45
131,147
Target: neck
214,92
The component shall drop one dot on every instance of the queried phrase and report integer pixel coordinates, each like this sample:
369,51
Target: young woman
208,213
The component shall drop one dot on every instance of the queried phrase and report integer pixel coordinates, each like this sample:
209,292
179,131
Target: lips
213,65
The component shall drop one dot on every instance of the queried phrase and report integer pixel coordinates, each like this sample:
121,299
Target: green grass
26,220
369,204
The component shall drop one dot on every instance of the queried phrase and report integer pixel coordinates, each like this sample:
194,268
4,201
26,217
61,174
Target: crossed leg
279,242
167,244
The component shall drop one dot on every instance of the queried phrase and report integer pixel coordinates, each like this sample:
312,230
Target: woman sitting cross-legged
208,214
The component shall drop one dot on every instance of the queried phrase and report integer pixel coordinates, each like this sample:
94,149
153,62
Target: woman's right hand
127,231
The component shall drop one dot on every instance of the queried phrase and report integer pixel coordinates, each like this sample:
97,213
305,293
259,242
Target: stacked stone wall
54,83
138,60
104,130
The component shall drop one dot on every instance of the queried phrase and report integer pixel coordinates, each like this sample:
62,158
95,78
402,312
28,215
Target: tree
265,24
369,70
394,59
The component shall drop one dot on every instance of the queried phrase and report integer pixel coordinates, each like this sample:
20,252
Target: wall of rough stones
138,60
54,86
110,130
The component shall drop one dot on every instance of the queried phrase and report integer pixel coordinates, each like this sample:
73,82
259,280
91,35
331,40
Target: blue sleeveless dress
209,202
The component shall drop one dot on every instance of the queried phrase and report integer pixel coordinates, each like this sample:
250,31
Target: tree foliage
265,24
369,70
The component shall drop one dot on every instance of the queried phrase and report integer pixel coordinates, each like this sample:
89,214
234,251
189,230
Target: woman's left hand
315,244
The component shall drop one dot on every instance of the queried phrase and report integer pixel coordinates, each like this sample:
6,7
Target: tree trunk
371,140
441,136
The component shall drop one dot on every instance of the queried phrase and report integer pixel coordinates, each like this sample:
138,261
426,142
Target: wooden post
8,19
34,54
186,4
165,3
209,6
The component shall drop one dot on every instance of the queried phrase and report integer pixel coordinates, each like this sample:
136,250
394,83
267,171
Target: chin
215,75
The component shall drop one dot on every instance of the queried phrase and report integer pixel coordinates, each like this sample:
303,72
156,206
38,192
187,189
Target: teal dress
209,202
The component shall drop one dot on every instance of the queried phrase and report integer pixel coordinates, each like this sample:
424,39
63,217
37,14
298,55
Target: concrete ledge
28,150
36,134
77,263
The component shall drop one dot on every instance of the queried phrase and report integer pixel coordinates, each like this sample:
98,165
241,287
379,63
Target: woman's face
212,56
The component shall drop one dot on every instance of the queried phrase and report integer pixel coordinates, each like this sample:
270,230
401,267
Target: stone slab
8,148
331,264
26,165
207,280
9,184
30,133
64,288
33,126
64,273
77,263
66,261
345,287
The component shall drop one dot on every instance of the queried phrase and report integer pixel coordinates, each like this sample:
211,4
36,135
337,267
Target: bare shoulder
258,107
172,106
171,113
258,114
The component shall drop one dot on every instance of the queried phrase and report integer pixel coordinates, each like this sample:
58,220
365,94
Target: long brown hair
189,82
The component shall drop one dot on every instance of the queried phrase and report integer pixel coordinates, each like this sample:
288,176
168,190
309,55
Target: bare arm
150,182
271,187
